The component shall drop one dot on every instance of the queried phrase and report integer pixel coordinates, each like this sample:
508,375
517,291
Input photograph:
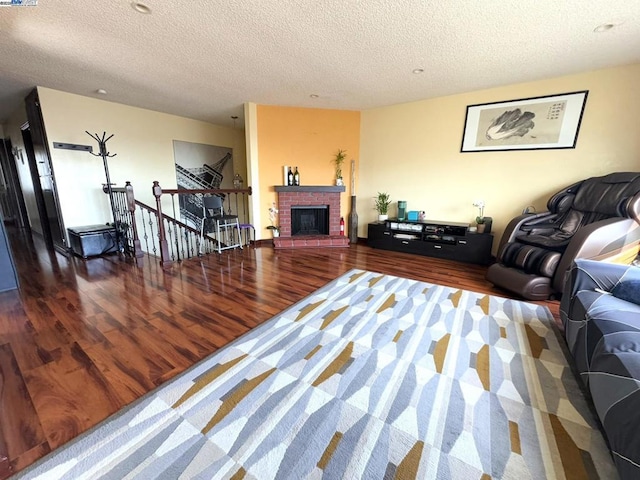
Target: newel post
165,260
131,206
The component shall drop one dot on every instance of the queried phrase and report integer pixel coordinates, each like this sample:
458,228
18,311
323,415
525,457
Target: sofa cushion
614,384
621,422
618,355
628,290
603,334
595,317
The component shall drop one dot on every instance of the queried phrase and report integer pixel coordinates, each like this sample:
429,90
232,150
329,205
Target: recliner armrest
541,219
632,207
609,240
514,226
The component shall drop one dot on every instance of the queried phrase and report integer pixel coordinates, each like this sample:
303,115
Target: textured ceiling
203,59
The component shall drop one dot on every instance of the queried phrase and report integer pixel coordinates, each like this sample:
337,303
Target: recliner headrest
603,195
620,177
562,200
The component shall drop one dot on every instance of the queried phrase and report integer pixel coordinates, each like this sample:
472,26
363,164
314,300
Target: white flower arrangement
273,217
480,204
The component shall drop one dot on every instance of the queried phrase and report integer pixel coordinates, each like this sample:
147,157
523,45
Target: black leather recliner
597,218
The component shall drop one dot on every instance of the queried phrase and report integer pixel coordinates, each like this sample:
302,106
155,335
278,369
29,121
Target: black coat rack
104,153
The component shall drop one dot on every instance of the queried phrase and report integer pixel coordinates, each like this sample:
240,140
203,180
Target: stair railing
177,240
145,229
124,203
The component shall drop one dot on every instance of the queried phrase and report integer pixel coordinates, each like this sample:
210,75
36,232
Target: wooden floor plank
70,401
84,338
20,428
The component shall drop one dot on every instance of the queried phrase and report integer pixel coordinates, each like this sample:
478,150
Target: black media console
448,240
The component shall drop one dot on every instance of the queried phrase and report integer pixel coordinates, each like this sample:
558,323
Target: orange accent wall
307,138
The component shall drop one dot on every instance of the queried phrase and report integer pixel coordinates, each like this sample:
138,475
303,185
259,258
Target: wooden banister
165,259
131,206
174,191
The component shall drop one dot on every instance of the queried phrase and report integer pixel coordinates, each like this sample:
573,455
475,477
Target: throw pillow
628,290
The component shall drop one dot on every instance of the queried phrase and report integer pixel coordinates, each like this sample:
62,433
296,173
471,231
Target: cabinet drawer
440,250
407,245
378,236
475,248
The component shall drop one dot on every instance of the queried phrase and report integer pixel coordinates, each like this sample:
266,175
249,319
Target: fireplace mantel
311,188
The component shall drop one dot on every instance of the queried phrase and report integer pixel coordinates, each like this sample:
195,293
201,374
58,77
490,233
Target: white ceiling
203,58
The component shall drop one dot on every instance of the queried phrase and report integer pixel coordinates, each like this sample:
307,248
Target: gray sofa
600,310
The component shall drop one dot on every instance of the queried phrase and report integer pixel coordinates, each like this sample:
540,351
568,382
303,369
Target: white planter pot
382,218
276,233
339,182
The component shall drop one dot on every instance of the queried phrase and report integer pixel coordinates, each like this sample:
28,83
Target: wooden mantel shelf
311,188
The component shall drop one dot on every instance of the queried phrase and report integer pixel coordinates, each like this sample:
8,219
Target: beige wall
307,138
412,151
143,142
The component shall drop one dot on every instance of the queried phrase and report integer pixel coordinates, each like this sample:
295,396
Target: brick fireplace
309,196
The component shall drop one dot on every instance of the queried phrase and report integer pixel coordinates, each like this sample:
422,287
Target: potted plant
338,160
273,217
480,219
383,200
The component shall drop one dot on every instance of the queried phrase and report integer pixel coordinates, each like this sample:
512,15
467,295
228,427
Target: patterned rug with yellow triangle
372,376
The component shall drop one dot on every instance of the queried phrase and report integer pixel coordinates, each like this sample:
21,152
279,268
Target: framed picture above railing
547,122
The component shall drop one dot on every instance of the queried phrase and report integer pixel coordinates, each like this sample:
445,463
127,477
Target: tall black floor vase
353,221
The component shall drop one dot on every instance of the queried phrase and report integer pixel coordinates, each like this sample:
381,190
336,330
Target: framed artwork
552,121
200,166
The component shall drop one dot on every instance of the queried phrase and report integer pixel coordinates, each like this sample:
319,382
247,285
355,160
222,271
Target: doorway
12,207
49,223
44,182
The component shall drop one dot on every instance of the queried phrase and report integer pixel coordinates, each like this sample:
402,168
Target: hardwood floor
83,338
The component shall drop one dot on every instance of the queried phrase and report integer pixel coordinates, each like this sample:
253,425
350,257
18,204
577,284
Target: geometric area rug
372,376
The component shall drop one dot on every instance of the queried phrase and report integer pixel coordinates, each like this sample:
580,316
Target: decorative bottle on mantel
296,178
290,178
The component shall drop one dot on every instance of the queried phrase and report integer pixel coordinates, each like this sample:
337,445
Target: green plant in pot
383,200
480,219
338,160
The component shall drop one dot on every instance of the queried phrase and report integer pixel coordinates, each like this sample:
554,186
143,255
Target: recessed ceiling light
604,27
314,95
418,71
140,7
101,91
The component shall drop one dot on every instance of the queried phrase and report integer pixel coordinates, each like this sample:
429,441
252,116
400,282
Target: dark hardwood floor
83,338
